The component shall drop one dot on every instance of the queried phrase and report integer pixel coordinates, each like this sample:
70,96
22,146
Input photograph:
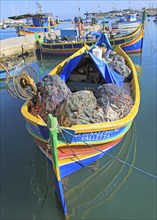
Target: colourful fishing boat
131,43
77,138
40,22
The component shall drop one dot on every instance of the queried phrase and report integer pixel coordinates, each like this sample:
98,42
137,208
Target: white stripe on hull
127,25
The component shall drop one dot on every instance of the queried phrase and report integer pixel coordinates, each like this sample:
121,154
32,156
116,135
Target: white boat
129,21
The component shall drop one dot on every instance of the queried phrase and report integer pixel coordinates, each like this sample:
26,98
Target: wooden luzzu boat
131,43
93,104
72,147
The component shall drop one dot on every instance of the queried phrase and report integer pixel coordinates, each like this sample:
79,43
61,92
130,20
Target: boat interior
85,76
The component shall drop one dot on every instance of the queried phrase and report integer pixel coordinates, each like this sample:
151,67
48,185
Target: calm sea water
106,190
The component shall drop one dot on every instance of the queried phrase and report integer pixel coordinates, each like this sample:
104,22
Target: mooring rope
71,149
132,166
150,40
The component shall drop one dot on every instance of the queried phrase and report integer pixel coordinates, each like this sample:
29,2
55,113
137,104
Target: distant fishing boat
40,22
131,43
128,21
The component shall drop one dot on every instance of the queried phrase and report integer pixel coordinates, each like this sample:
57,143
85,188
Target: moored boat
40,22
74,92
131,43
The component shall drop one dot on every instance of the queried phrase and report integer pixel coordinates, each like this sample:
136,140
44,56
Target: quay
12,48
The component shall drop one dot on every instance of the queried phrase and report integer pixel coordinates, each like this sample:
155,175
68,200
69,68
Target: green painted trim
53,141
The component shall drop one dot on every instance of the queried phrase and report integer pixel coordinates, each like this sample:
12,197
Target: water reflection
86,189
137,60
104,182
42,185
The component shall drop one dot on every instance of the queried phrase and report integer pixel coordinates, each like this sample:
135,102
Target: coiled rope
113,157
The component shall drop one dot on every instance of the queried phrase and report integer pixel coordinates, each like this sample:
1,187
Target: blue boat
40,22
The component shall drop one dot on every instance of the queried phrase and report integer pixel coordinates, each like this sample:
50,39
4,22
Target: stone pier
12,48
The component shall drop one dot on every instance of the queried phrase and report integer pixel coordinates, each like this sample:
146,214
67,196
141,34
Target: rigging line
71,148
132,166
150,40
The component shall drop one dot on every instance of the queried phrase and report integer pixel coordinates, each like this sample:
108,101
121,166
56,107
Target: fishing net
115,101
51,92
109,102
118,64
79,108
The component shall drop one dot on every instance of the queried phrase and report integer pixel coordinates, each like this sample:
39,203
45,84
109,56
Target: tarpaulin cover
96,33
109,75
103,39
70,66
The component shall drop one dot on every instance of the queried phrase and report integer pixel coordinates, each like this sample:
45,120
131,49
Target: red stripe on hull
71,151
134,51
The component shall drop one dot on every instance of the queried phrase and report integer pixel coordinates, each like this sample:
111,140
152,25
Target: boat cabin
91,18
37,20
128,18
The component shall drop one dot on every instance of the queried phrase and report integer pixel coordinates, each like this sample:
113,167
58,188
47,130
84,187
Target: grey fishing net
51,92
118,64
115,100
109,102
79,108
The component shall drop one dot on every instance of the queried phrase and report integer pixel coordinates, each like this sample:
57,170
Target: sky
69,9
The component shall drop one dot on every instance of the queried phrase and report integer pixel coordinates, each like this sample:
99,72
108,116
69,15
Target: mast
78,8
39,8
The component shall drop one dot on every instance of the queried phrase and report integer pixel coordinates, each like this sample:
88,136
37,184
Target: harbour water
107,190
